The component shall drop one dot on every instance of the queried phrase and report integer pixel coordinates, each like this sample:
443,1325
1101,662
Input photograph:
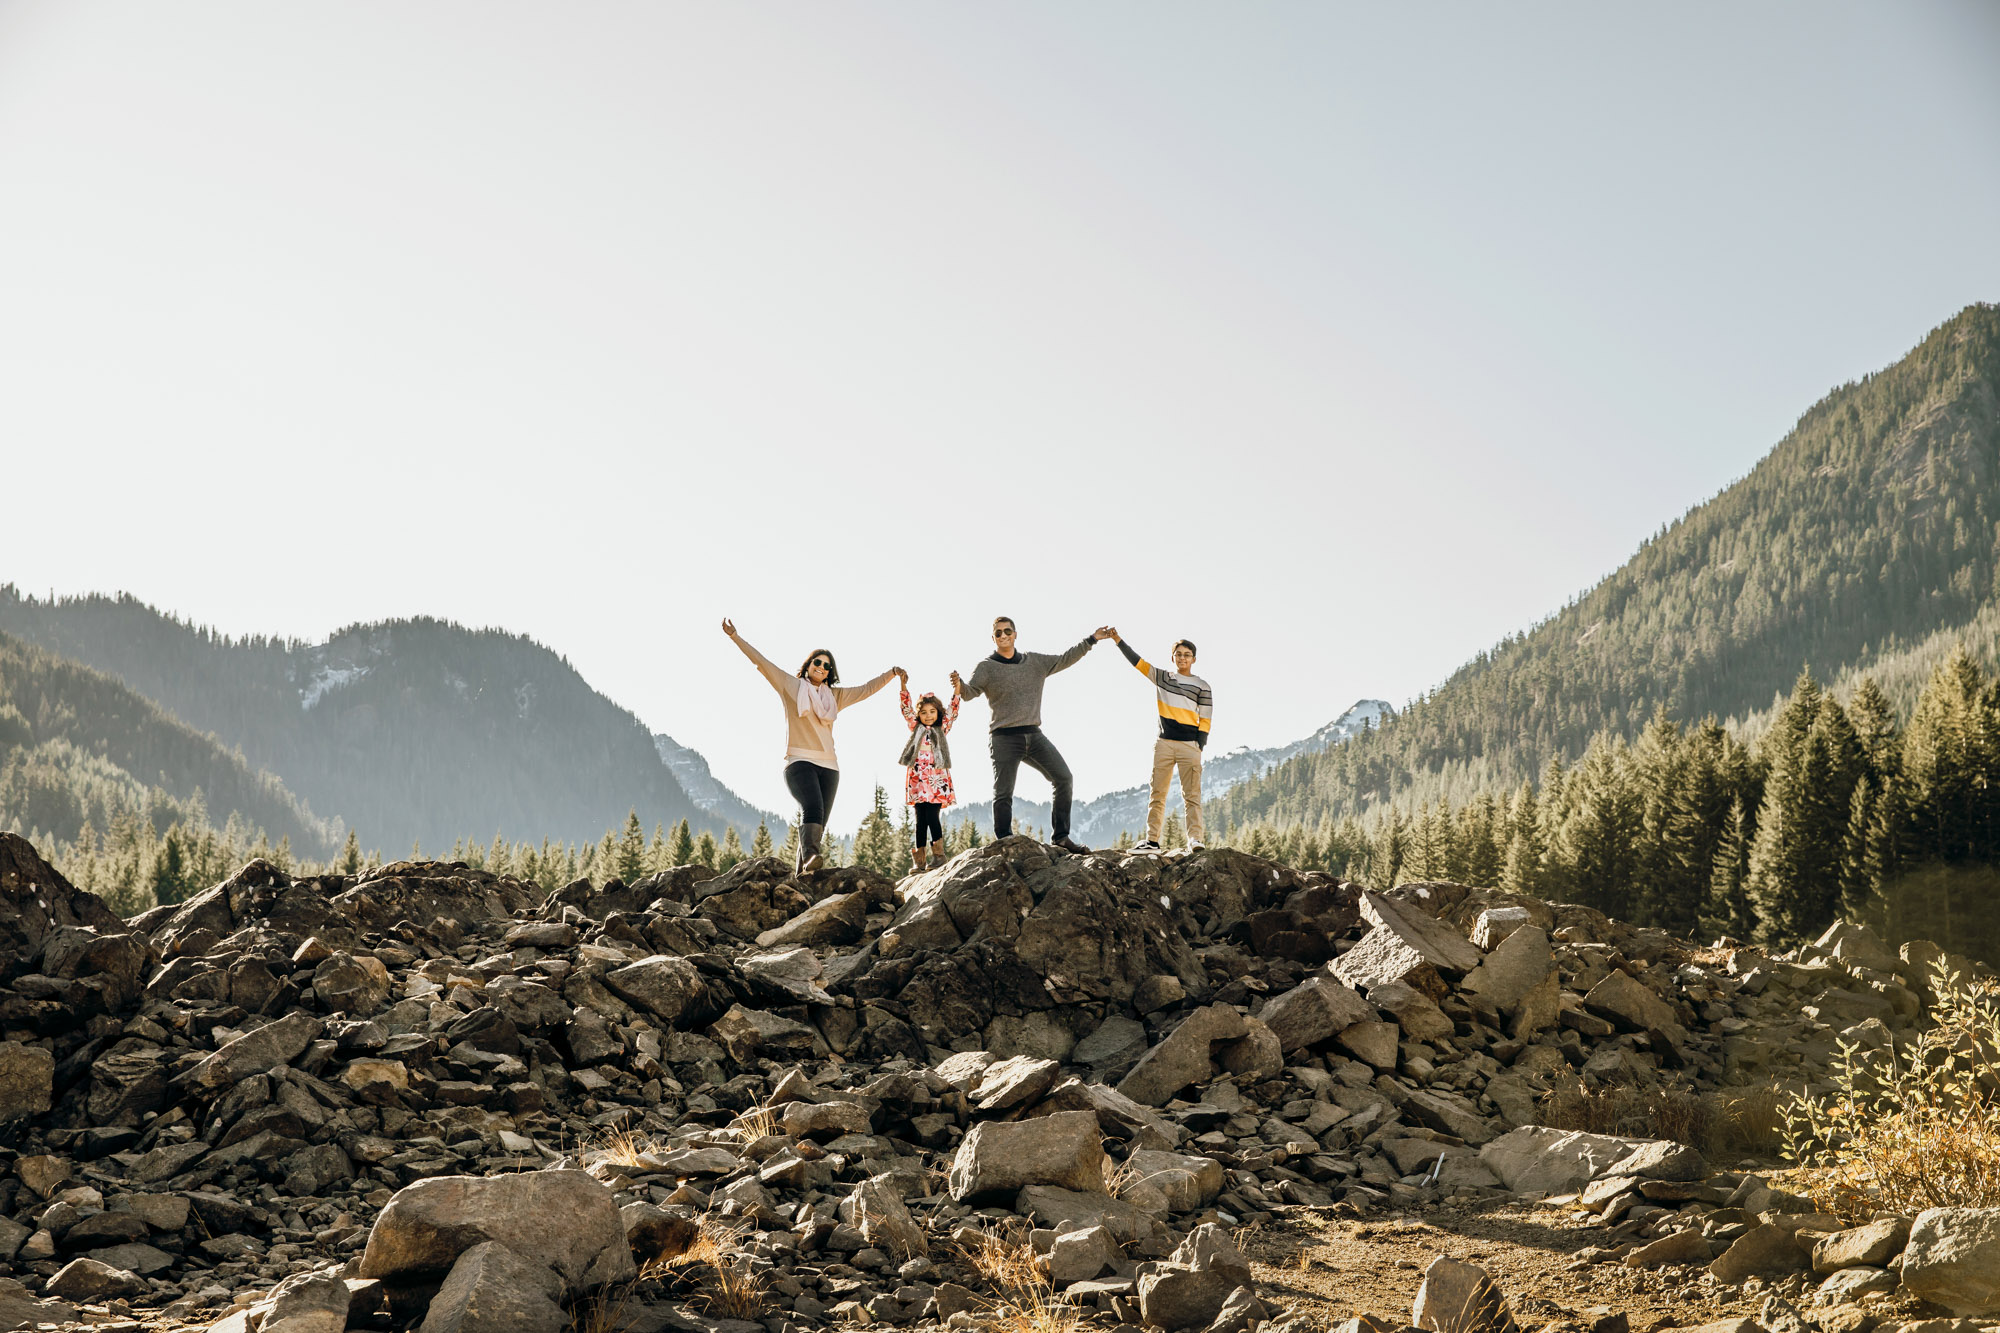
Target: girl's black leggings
813,788
930,822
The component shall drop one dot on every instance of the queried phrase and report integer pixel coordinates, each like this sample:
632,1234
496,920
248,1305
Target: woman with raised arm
813,698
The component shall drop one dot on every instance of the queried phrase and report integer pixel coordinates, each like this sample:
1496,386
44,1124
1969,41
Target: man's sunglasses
1003,634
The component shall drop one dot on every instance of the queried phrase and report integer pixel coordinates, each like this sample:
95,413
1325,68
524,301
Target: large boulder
1405,944
666,985
1315,1010
27,1080
1001,1157
1535,1159
276,1043
563,1220
1183,1057
35,899
1953,1259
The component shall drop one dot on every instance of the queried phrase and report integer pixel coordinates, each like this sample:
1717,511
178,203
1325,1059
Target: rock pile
426,1094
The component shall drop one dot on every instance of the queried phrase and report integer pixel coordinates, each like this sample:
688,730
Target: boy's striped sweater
1186,703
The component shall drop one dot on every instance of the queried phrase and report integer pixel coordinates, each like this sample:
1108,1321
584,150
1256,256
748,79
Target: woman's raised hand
729,627
900,675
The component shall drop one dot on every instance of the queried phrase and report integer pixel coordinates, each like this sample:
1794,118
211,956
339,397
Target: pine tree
705,850
732,849
657,851
349,863
1173,833
1523,871
168,881
789,853
1728,910
680,851
630,861
1795,861
760,845
875,844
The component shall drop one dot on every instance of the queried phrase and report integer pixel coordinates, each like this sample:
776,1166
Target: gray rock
1014,1082
351,984
1078,1256
1459,1296
1208,1248
1001,1157
1633,1006
1255,1056
1448,1114
134,1257
662,984
749,1033
1495,924
1240,1312
19,1309
1315,1010
836,920
275,1044
795,971
27,1079
876,1207
1187,1182
1129,1224
564,1220
89,1280
1183,1057
1849,1285
1679,1247
493,1289
824,1120
1762,1251
308,1303
1405,944
1536,1160
1175,1298
1953,1259
1873,1245
1117,1040
1661,1159
653,1233
1374,1043
1415,1012
1516,966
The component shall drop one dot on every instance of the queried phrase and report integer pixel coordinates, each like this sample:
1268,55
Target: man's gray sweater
1013,686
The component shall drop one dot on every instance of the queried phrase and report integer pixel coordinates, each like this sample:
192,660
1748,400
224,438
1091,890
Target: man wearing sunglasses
1012,683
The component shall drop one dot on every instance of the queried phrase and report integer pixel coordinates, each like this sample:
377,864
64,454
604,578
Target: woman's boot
809,847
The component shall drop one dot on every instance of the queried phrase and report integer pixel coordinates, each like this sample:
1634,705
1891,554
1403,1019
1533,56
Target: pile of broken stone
427,1094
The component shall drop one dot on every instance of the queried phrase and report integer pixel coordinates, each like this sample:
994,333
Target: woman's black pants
813,788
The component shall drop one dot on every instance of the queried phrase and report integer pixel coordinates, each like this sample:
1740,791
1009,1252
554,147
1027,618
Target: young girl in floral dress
927,756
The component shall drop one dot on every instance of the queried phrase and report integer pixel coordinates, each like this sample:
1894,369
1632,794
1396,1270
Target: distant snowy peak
692,771
1223,771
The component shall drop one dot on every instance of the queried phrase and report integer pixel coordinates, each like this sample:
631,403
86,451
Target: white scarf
817,700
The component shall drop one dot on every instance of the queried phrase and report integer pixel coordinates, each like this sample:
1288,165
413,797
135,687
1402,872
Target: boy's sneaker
1147,846
1196,846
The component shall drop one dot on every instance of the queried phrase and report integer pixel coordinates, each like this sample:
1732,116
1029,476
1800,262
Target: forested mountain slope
408,730
1874,524
78,747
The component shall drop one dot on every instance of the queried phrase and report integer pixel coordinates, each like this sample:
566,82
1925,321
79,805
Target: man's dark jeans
1011,749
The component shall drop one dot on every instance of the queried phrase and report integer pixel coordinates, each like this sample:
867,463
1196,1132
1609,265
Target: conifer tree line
1836,810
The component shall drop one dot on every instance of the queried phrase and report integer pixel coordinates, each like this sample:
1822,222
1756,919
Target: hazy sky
1341,339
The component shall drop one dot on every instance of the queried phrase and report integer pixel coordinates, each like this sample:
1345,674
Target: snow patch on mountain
326,679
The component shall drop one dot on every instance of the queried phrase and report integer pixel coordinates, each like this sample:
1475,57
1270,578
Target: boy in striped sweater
1186,706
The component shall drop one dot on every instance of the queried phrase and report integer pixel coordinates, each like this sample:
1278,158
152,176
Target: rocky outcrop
468,1104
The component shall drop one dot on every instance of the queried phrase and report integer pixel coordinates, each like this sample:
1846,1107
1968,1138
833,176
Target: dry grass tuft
726,1284
755,1123
1029,1302
1652,1113
1119,1178
1915,1128
619,1147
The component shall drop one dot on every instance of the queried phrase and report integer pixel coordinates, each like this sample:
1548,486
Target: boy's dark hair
1187,644
1008,621
832,668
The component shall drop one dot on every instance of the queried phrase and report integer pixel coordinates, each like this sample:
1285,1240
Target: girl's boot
917,857
809,847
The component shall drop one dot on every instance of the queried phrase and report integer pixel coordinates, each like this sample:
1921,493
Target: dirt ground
1329,1267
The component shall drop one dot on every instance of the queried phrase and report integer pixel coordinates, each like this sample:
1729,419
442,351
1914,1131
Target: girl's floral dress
927,784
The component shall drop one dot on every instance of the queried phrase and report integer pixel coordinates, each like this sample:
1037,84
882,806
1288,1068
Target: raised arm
909,713
1070,656
781,680
844,695
951,717
970,689
1145,668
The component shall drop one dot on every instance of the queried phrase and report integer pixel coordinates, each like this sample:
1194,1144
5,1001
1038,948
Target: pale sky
1341,339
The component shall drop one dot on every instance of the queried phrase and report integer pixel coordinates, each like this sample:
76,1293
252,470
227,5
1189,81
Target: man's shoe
1071,845
1147,846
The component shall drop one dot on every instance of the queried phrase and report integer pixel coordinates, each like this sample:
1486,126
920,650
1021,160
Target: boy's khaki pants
1167,756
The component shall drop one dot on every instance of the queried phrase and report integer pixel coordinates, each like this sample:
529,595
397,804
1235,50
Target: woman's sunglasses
821,663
